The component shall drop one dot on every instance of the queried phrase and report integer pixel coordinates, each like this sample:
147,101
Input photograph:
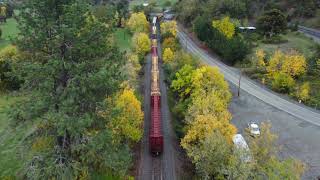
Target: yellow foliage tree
3,11
212,102
132,69
292,64
182,82
169,27
171,43
127,123
225,26
138,23
9,52
141,43
303,92
168,55
209,78
275,63
260,54
202,126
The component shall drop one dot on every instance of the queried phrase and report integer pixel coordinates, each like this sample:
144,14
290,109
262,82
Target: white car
254,129
242,146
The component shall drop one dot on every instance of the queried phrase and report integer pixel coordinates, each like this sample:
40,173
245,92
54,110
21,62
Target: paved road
313,33
232,75
297,126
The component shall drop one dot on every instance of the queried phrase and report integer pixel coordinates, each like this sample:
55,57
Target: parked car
242,146
254,129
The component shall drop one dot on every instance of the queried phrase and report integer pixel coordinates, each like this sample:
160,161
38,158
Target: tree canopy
71,68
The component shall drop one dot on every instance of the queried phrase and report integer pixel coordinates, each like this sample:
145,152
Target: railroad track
157,169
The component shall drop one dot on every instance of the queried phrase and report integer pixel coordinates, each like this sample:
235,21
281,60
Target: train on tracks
155,134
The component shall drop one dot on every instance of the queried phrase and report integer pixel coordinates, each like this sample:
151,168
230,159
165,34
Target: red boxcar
155,136
154,51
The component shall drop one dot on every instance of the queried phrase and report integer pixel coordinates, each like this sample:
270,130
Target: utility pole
239,85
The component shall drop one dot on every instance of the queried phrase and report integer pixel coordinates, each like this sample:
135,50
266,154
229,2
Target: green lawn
11,151
296,41
123,39
9,30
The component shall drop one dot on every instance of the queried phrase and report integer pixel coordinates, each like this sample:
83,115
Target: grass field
123,39
9,31
296,41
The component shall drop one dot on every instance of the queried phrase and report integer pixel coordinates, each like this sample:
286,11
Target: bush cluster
231,50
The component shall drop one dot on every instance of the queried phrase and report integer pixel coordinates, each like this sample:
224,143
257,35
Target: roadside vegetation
199,98
216,24
69,108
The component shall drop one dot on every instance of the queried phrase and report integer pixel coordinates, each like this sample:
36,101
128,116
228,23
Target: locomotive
155,135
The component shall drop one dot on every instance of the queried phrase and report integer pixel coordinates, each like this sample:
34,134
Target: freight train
155,135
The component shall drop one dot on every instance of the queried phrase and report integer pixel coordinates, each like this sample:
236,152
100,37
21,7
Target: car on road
254,129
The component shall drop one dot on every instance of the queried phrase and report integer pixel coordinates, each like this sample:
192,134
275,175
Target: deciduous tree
260,55
141,43
225,26
138,23
127,123
272,23
282,82
182,84
171,43
168,55
217,159
292,64
169,28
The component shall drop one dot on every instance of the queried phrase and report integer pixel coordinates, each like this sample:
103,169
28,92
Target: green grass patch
123,39
295,41
11,150
9,31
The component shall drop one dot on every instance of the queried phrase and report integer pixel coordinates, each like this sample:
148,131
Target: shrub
168,55
282,82
303,92
171,43
8,81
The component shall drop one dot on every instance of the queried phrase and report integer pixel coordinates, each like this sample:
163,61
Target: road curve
232,75
313,33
